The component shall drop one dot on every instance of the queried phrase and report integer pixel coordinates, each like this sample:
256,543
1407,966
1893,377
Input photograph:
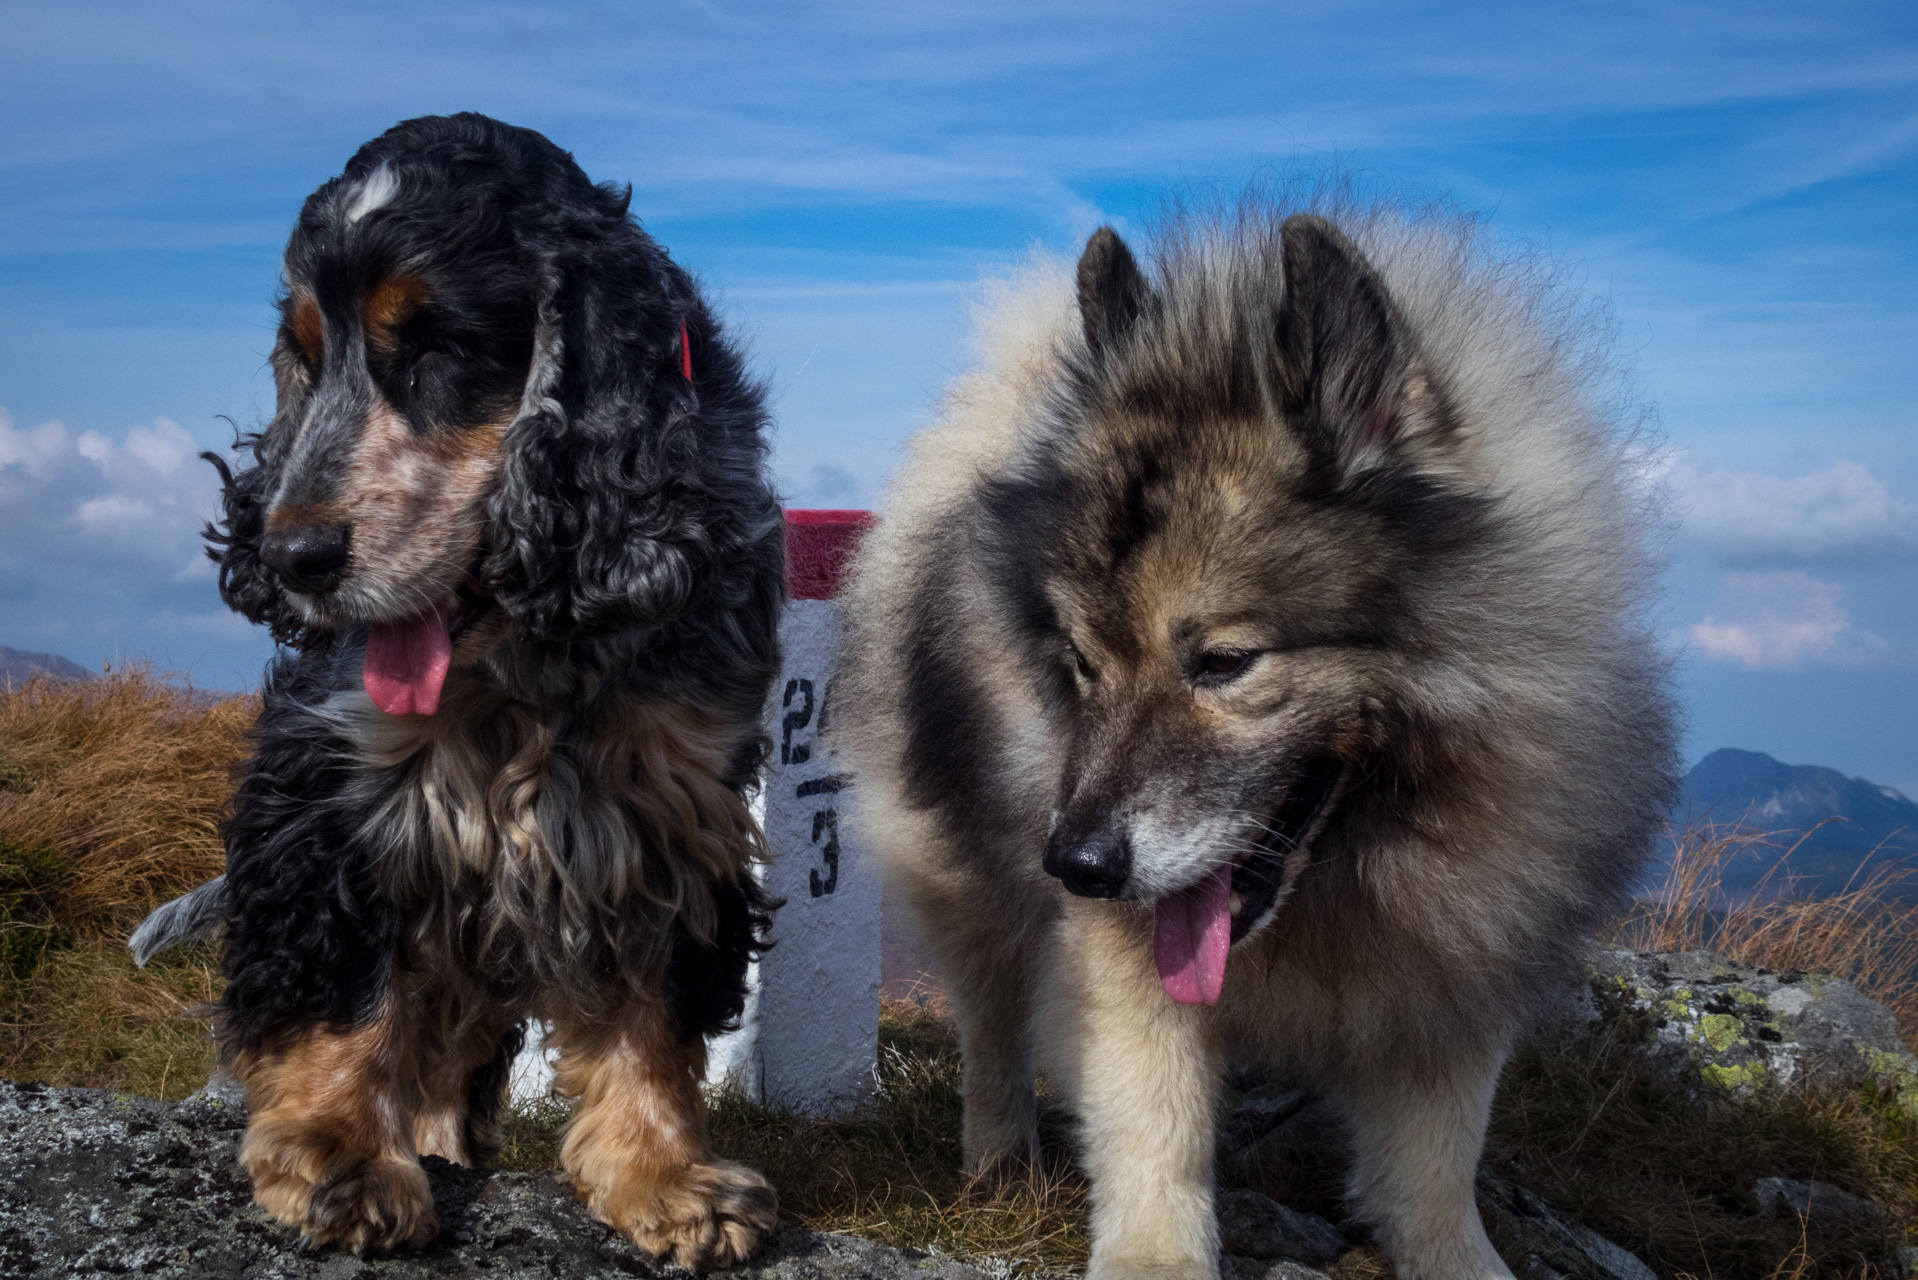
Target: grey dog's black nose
1091,868
308,557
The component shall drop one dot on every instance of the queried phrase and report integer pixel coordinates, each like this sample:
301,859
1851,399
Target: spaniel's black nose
309,557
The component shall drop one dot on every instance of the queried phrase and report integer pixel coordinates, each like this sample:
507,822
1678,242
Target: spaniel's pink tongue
406,664
1191,934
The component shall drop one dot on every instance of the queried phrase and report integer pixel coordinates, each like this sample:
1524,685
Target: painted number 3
825,834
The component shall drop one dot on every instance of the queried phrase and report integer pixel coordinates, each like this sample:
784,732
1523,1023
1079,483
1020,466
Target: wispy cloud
1768,621
1842,515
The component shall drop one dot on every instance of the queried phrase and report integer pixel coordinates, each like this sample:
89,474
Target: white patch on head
375,193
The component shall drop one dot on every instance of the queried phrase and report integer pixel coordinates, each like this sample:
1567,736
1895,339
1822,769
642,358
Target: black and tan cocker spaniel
512,523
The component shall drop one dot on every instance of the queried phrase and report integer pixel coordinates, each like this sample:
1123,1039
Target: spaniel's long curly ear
623,485
247,586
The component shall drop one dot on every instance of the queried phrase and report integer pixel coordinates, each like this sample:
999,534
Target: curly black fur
234,544
309,937
633,541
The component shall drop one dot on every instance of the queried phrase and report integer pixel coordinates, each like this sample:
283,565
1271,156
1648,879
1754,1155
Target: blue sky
1738,182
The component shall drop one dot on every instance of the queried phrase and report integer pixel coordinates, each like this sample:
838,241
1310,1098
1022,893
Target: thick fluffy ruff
1251,668
528,574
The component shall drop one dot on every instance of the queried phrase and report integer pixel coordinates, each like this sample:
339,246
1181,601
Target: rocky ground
99,1184
96,1184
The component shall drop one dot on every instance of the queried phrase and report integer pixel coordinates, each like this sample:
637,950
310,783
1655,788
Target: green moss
1896,1072
1721,1031
1732,1079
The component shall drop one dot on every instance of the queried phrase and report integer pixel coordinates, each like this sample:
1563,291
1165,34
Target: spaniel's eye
420,377
1219,665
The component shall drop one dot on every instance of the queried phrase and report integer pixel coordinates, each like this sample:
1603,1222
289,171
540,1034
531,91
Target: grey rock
1256,1114
1552,1244
1252,1225
220,1090
95,1184
1279,1125
1236,1268
1730,1026
1810,1199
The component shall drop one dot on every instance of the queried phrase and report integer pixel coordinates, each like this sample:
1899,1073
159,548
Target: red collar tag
685,354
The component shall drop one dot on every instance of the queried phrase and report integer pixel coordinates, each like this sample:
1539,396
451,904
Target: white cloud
1843,514
98,534
34,451
1765,621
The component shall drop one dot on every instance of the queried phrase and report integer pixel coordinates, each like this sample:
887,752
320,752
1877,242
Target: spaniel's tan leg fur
637,1151
329,1145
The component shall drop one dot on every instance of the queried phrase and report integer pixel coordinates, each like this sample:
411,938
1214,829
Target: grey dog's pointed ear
1347,374
1112,293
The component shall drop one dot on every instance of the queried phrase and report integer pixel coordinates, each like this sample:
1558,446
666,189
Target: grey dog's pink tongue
1191,936
406,664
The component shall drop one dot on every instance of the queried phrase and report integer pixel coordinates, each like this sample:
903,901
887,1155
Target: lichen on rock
1731,1027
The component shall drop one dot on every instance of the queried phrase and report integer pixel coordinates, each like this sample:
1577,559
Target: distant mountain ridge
1749,791
17,666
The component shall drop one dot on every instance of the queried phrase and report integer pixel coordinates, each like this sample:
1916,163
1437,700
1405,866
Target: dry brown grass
111,795
1596,1131
1867,934
125,779
86,1017
892,1170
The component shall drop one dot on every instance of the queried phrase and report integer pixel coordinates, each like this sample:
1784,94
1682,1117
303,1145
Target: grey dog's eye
1219,665
1080,664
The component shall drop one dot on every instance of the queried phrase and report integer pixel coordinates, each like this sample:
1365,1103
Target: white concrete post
810,1034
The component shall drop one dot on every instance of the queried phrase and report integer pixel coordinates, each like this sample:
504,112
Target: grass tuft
1867,934
122,782
111,795
1668,1174
892,1170
85,1016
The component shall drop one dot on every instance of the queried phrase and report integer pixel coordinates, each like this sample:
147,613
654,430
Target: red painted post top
818,544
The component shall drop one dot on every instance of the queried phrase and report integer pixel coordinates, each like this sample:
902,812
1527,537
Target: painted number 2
796,718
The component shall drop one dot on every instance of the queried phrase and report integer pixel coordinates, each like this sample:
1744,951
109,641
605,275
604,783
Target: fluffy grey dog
1251,667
